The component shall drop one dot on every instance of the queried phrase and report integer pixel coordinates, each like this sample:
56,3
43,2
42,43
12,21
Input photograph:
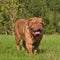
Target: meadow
49,49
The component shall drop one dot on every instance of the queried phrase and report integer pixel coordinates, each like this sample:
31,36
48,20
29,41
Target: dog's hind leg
23,45
18,38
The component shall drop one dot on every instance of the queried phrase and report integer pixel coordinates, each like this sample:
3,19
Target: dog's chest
37,38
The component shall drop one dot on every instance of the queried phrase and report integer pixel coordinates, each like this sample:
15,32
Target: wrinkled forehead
35,20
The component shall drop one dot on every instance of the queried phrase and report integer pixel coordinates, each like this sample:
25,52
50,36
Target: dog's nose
38,29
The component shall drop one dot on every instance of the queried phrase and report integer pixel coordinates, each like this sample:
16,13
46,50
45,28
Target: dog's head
36,25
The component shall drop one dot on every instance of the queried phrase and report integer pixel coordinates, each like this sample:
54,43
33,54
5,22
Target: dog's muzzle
36,32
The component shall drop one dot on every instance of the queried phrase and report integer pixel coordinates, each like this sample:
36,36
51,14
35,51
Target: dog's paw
23,48
30,54
35,52
18,47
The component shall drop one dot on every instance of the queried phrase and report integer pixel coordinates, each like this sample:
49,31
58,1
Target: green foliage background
11,10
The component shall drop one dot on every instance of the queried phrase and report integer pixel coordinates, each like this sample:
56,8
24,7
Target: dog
31,31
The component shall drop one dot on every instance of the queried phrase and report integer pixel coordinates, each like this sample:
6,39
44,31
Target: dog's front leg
36,47
29,48
28,40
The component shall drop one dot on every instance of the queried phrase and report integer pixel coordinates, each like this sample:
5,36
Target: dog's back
19,26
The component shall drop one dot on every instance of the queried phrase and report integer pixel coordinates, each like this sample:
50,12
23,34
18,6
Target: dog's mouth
37,32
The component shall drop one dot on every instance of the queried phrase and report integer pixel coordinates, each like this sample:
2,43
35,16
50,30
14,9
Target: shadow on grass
41,51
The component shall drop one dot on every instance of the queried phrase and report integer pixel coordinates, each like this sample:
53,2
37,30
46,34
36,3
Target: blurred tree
11,10
8,14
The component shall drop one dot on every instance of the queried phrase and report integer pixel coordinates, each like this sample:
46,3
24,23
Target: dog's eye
31,28
33,23
41,24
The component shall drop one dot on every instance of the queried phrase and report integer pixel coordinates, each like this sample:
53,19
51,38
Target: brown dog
30,31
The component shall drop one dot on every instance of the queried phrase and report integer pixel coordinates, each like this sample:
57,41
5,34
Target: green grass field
49,49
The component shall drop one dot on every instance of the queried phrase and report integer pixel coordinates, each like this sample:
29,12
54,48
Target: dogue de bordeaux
31,31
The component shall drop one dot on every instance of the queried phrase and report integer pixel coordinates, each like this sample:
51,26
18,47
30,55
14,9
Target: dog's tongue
36,33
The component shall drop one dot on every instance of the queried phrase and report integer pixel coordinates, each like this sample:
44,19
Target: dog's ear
43,22
33,19
28,24
29,20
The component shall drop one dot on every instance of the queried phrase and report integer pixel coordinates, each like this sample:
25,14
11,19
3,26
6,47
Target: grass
49,49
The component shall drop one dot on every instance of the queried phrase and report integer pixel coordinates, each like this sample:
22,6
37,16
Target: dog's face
36,25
